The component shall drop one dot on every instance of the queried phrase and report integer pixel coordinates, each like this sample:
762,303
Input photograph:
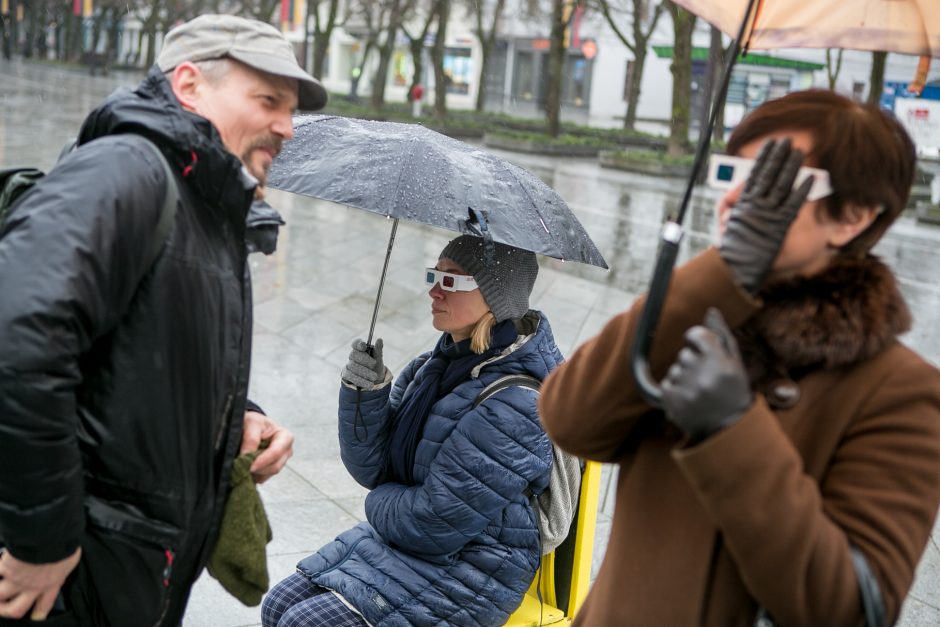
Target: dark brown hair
869,155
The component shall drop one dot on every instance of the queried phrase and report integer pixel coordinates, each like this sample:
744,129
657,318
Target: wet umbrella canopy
409,172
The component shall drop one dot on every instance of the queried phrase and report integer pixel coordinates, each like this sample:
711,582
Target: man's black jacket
123,385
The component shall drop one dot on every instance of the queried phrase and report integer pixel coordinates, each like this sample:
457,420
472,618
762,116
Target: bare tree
833,67
556,62
380,20
644,15
416,43
441,80
487,41
876,83
368,19
322,31
397,9
683,24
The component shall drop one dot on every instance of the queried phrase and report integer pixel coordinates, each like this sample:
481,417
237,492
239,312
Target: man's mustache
273,143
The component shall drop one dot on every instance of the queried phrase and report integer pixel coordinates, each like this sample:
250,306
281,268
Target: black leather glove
760,218
707,388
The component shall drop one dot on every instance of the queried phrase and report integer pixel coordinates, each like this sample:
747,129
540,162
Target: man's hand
24,585
280,445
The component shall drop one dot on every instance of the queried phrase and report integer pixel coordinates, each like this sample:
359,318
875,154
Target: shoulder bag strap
510,380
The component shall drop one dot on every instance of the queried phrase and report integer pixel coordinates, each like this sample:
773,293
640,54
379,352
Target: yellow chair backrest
565,575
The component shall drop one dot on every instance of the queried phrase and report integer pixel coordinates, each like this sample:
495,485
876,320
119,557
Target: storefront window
524,80
458,70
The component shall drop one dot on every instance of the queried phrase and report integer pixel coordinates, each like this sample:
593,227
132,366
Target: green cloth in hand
239,560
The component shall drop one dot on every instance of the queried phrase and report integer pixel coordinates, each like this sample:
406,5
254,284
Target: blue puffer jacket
461,546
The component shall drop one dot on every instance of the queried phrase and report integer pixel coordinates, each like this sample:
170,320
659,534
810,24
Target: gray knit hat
505,282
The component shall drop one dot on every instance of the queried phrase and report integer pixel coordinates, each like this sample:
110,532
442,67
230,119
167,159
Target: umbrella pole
672,236
378,297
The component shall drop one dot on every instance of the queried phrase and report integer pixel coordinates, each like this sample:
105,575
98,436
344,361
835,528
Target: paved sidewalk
312,298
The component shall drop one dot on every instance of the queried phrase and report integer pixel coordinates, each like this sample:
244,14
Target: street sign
921,118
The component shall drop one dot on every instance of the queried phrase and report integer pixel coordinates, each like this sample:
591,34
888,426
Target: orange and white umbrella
905,26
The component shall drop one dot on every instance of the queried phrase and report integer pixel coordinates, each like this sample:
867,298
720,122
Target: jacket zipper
223,422
169,556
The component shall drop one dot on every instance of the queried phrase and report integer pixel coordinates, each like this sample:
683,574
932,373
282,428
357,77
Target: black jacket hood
190,142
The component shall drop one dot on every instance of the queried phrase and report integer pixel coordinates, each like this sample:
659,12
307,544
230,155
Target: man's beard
272,143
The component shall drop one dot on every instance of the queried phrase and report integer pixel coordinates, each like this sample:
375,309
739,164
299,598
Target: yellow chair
565,574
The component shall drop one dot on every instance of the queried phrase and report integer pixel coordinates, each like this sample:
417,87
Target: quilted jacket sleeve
72,253
491,456
365,423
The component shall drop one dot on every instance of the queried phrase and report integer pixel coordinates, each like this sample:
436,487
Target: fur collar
846,314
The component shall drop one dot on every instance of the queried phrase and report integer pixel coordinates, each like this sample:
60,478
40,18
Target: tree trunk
385,57
151,47
556,62
877,81
354,83
681,68
833,69
487,45
5,38
417,59
633,89
437,52
486,51
75,42
113,33
322,35
712,78
321,46
96,30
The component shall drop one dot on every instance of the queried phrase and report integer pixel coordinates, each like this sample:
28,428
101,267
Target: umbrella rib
532,200
401,175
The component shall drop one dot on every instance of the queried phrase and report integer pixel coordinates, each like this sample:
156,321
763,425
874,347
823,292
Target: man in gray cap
125,333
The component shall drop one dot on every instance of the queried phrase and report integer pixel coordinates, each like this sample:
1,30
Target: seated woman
799,435
451,537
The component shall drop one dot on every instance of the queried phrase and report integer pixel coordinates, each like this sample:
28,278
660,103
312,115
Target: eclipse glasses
450,282
726,171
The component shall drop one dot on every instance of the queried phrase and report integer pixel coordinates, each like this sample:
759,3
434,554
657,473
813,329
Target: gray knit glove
760,219
364,370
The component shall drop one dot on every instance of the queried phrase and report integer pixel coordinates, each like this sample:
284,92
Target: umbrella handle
649,318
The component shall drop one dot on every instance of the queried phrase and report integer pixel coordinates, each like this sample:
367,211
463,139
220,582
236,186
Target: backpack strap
170,197
167,211
508,381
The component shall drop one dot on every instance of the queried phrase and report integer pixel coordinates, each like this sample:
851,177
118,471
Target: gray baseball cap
251,42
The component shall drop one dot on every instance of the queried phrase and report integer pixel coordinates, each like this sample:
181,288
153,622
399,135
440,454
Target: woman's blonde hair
482,333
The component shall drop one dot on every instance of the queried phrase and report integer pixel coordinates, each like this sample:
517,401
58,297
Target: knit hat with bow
505,278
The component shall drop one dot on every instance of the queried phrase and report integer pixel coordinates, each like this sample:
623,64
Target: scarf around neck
450,364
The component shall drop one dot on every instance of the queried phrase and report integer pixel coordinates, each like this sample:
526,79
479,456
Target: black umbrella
406,171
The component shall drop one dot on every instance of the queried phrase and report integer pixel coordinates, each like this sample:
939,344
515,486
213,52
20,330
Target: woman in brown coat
796,426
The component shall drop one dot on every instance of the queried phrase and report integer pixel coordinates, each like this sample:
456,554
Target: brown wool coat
763,512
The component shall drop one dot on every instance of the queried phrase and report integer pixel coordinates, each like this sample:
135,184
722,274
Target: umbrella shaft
705,135
378,297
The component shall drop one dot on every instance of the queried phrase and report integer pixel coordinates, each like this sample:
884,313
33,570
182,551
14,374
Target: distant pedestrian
800,443
123,380
451,537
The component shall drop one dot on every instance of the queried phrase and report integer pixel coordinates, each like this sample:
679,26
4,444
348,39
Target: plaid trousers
295,602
